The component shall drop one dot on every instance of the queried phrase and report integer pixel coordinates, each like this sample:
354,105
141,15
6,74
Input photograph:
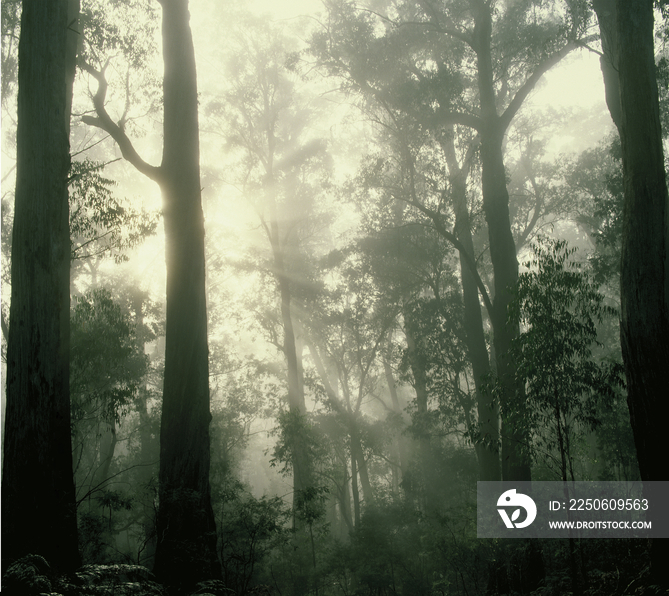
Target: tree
37,487
560,307
465,67
186,548
645,262
644,279
283,168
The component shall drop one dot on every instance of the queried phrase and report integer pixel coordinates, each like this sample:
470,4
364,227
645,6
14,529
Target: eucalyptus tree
347,328
465,64
560,307
37,488
186,548
633,101
282,168
411,263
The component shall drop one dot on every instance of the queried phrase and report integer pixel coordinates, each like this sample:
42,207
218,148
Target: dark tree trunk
515,463
354,490
38,503
644,280
358,454
186,532
645,266
608,29
186,548
421,420
400,444
487,451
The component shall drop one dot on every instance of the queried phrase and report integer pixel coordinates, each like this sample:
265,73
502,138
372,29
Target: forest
281,282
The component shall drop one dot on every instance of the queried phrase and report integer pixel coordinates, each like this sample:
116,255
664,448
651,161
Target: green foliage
11,17
441,352
119,26
108,373
99,524
596,178
249,530
29,576
99,223
122,34
566,386
309,504
296,435
106,361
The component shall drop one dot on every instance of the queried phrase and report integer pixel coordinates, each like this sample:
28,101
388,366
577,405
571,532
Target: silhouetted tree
186,547
38,507
644,279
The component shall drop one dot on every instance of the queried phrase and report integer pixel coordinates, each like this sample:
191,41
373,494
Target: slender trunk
186,548
354,490
302,474
345,500
561,443
515,462
417,364
359,456
38,499
108,442
488,412
400,442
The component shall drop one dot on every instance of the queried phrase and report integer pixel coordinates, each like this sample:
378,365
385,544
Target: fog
374,348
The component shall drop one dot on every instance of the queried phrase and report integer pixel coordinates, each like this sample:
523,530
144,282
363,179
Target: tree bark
488,413
186,548
644,281
515,464
186,532
608,29
38,499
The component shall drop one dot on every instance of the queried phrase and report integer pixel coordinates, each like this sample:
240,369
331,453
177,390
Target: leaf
515,515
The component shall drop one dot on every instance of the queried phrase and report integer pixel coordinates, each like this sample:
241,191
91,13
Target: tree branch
527,87
104,122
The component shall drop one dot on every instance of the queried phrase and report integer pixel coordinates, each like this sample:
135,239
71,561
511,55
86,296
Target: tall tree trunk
38,502
488,413
107,448
515,463
145,473
186,548
400,445
358,454
417,364
644,281
302,472
186,532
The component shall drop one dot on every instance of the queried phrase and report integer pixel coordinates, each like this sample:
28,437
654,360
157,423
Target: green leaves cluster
99,223
107,362
566,381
